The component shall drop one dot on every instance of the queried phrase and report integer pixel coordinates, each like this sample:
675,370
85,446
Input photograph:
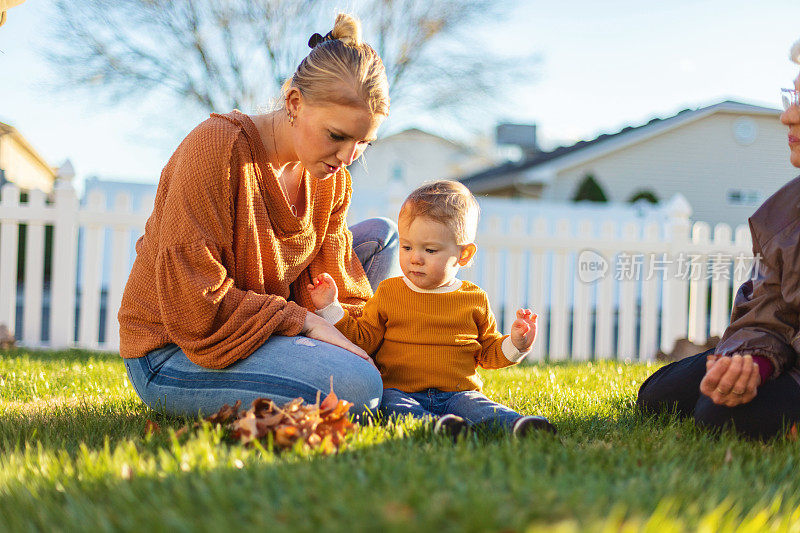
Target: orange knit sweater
222,253
428,340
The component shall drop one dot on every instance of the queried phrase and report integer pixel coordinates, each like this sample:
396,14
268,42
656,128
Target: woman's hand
523,330
730,381
316,327
323,291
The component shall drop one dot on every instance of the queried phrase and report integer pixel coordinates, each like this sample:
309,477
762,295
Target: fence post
493,269
560,286
537,283
628,283
604,311
720,272
515,260
34,270
582,303
698,286
648,330
120,269
92,269
9,237
65,252
741,267
675,299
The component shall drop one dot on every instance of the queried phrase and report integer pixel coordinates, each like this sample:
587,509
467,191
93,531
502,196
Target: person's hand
730,381
323,291
523,330
315,327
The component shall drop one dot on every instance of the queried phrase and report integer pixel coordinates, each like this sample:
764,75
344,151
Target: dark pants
676,387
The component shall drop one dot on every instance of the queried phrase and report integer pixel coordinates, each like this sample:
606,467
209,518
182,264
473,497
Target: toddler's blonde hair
447,202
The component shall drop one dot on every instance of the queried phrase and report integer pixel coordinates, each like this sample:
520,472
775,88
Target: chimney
522,135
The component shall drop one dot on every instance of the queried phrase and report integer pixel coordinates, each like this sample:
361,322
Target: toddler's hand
323,291
523,330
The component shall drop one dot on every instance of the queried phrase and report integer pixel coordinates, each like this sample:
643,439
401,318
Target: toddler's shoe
526,425
450,425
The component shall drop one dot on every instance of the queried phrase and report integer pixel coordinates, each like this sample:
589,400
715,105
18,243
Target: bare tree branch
220,54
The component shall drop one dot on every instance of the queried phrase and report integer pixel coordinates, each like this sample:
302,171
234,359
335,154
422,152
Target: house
141,197
141,194
397,164
21,164
726,159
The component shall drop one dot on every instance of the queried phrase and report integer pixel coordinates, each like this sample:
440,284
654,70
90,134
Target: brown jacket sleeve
763,322
212,321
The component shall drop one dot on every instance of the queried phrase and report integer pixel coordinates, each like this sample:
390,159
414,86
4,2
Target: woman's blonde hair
342,59
447,202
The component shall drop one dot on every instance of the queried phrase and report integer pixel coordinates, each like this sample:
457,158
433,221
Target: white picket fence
525,259
71,307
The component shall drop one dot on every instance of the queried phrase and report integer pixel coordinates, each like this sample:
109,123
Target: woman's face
329,137
791,118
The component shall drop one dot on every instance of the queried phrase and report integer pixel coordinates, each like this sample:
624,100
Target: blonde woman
751,380
250,209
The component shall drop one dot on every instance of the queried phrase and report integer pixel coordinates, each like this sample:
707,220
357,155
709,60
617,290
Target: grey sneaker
526,425
450,425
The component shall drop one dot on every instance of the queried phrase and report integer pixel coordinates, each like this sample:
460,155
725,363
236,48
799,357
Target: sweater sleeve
762,322
214,322
337,258
367,330
491,341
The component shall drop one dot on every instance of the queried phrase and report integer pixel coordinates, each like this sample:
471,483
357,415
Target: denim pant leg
282,369
474,407
398,403
675,386
774,409
375,242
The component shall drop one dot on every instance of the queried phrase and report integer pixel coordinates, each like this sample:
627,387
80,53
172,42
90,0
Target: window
744,197
397,172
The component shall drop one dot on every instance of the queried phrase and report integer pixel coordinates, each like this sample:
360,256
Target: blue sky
604,65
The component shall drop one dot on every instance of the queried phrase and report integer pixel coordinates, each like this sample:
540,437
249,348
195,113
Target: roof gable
542,167
5,129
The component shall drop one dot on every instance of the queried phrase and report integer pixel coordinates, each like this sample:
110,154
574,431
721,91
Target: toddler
427,330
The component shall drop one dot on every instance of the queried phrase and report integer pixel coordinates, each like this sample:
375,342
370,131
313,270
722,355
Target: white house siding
701,160
397,164
22,168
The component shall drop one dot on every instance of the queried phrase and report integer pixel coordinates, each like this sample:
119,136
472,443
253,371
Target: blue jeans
471,405
283,368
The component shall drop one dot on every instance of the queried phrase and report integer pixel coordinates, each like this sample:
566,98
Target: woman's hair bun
794,53
347,29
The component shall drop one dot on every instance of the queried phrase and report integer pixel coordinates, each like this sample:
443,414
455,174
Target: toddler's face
429,253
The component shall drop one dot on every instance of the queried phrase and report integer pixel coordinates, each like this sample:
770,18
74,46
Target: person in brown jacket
248,210
751,380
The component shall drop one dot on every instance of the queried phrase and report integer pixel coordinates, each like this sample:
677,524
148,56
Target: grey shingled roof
484,177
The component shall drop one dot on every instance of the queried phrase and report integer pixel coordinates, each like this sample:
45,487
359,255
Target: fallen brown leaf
225,413
321,425
151,428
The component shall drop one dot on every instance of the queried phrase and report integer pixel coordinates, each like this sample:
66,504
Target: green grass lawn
74,456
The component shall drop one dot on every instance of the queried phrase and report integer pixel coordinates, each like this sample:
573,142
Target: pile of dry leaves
321,425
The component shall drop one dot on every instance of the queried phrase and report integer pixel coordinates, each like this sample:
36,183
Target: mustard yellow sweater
223,264
423,340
